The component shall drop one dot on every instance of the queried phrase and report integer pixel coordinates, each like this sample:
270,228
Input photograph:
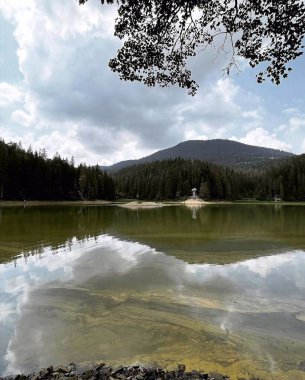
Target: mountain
224,152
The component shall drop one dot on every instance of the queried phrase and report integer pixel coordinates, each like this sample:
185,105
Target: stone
117,370
218,376
100,366
61,369
204,376
42,374
94,371
301,366
81,369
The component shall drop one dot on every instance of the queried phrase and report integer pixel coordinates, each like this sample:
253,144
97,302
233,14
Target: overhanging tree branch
161,35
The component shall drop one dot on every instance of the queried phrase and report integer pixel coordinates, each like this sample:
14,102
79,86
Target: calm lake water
219,288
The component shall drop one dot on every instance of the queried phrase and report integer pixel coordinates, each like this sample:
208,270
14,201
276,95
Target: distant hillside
174,178
224,152
286,180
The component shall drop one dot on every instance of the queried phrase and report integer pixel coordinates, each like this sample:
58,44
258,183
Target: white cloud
10,94
290,110
65,143
63,50
6,310
303,146
295,123
253,114
226,90
71,89
193,135
262,137
22,118
293,128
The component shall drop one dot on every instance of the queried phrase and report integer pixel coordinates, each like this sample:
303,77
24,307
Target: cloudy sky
57,92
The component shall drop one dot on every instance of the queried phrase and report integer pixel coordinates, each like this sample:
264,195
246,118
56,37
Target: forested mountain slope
224,152
286,181
174,178
32,176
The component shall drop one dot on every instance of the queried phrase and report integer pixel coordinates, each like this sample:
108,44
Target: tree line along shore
28,175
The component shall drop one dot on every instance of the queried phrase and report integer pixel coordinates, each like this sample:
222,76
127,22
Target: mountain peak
219,151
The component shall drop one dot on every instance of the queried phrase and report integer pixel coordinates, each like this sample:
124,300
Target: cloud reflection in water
78,301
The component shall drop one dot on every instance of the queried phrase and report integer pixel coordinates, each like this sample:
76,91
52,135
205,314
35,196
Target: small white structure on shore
194,200
194,190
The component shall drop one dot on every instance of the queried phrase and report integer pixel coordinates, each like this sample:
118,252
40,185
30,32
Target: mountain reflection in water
220,289
109,299
218,234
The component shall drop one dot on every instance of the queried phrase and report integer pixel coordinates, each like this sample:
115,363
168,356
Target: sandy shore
51,203
139,204
143,204
131,205
195,202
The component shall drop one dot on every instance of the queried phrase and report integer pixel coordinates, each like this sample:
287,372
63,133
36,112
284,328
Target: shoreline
138,204
56,203
96,371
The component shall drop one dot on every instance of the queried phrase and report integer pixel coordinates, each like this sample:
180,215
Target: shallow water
218,288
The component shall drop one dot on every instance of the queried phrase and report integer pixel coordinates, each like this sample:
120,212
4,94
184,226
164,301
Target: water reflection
214,233
108,299
219,234
195,209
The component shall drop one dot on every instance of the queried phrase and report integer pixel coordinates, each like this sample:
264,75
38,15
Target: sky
58,93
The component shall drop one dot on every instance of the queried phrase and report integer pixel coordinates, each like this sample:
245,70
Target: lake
219,288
